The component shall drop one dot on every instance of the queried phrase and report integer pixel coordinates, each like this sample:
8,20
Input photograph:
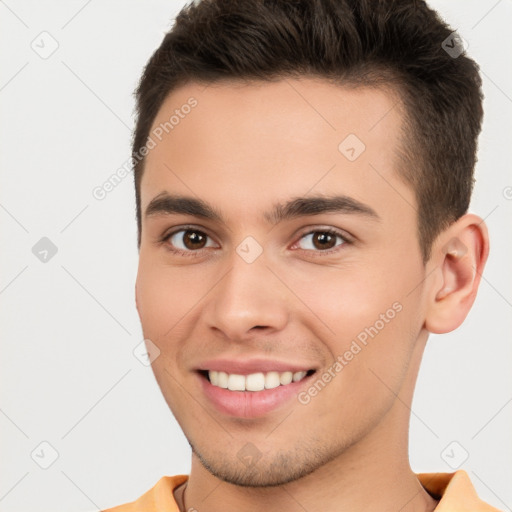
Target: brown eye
321,240
194,240
324,240
189,240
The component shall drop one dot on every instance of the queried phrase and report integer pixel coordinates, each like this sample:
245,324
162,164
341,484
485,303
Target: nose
247,300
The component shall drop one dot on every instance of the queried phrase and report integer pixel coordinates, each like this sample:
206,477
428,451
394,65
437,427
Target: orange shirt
455,490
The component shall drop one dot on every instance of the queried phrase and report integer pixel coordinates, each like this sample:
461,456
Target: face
278,243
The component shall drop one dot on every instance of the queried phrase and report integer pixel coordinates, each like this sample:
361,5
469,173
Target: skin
243,148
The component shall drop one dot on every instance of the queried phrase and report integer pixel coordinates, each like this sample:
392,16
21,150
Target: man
303,171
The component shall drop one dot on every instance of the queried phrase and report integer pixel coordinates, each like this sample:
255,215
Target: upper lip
248,366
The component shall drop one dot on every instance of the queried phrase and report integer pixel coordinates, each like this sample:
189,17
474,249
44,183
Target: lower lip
250,404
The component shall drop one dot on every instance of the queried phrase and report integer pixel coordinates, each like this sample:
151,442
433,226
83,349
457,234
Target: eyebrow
164,203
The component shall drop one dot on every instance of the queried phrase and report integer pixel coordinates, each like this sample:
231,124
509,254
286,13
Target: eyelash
195,253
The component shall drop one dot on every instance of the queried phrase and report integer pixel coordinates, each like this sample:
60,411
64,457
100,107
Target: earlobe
459,254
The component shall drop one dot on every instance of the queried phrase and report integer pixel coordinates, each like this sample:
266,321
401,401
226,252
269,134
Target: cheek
165,295
345,299
371,343
367,313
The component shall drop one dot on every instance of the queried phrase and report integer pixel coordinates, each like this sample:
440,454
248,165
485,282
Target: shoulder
159,498
455,492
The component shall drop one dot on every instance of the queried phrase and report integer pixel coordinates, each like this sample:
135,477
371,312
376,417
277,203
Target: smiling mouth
253,382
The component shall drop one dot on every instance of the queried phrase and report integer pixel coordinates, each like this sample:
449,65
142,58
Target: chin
268,470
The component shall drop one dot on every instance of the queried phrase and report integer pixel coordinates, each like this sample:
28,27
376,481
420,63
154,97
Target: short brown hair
399,43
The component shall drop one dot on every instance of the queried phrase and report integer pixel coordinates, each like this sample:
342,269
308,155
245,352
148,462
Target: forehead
240,142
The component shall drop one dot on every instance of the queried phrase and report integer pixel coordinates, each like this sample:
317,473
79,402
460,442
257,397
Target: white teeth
236,382
272,380
298,376
285,378
214,377
222,380
254,381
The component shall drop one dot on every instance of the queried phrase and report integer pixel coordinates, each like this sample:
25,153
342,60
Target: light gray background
69,326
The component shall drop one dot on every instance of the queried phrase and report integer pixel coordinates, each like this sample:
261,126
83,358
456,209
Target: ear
458,256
